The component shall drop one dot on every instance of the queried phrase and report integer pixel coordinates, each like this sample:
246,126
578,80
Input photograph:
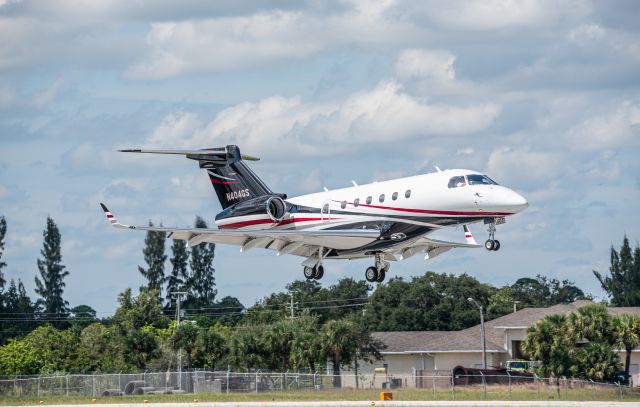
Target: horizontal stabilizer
221,151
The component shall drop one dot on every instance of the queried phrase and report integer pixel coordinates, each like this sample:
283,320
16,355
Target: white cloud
502,14
523,167
436,65
614,129
277,124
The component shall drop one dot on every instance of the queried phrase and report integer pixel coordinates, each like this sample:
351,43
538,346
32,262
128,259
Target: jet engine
274,206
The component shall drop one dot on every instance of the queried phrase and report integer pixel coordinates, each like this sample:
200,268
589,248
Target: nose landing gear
492,243
377,273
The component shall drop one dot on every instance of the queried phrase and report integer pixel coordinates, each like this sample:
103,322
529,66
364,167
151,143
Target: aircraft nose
517,202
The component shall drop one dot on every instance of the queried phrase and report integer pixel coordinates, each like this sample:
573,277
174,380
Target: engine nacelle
261,212
276,208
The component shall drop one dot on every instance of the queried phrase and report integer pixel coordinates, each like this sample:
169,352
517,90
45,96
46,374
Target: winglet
468,236
112,219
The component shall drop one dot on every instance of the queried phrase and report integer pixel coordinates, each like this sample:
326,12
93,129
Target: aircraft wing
434,247
297,242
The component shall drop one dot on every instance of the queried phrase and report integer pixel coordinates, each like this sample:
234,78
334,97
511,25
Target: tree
140,347
185,337
626,329
50,285
179,274
211,347
202,282
137,312
18,304
100,350
429,302
82,316
623,283
339,338
306,345
548,343
596,361
590,322
3,231
154,257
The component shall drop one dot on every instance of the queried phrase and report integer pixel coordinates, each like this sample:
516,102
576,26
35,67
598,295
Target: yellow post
386,395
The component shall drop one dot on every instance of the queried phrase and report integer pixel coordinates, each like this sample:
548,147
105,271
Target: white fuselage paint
431,203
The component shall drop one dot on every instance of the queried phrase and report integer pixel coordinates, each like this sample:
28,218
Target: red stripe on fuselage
434,212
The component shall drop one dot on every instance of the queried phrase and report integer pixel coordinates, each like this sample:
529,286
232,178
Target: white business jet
386,221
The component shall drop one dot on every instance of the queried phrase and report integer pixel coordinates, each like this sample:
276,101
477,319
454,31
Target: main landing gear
314,273
377,273
492,243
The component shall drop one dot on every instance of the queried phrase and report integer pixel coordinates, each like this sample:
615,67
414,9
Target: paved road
375,404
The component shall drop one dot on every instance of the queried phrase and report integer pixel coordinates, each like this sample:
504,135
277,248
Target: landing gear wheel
381,275
371,274
489,244
496,245
309,273
319,272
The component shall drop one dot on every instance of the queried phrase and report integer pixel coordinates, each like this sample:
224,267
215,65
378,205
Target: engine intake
275,208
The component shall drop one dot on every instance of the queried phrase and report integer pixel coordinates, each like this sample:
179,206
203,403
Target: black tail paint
232,179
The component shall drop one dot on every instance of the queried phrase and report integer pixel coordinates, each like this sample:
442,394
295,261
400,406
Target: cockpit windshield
477,179
471,179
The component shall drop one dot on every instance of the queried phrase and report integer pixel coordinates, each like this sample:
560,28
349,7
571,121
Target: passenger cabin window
456,182
407,194
477,179
394,196
343,204
381,199
356,202
369,200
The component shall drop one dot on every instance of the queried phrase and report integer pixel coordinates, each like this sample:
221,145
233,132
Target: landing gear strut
377,273
492,243
314,273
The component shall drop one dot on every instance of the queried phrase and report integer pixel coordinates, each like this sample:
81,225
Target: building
441,351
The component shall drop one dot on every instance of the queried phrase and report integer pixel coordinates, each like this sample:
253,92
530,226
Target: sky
543,96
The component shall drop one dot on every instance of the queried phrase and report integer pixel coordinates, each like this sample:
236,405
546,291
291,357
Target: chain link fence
439,384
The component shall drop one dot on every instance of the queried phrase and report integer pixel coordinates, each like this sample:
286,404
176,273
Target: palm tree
339,338
185,337
212,345
626,329
590,322
548,342
596,361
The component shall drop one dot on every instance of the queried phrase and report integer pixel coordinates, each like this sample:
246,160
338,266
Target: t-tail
231,178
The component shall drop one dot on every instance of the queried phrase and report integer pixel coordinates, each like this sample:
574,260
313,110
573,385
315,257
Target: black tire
381,275
319,272
496,245
371,274
309,273
488,244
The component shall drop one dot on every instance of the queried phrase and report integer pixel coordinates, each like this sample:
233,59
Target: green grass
461,393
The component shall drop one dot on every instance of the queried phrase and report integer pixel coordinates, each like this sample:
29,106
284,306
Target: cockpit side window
477,179
456,182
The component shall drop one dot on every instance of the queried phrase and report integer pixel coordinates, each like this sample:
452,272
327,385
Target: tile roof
468,340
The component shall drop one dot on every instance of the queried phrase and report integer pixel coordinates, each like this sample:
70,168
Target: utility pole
482,339
291,306
178,296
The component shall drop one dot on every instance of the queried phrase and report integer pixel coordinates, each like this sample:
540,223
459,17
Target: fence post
619,389
38,386
537,379
314,379
484,384
228,375
453,387
284,377
120,380
434,385
508,374
257,372
93,384
593,389
67,384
